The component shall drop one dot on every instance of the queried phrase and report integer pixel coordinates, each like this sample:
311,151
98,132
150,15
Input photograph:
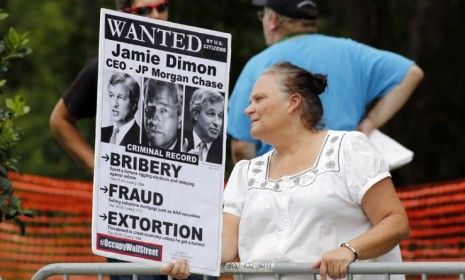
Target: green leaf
29,213
15,203
13,167
3,15
17,105
5,186
13,37
12,45
3,67
3,170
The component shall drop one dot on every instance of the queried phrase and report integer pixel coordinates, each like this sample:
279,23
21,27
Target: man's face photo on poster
122,103
163,114
209,120
203,135
122,108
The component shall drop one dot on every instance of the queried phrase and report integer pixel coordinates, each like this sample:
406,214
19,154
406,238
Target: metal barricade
423,269
97,269
359,268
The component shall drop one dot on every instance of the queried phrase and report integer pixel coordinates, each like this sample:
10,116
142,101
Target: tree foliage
64,35
13,45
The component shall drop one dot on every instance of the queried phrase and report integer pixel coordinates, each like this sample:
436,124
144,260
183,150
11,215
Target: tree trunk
370,22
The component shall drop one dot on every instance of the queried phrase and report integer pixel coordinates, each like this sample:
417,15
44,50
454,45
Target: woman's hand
177,270
334,263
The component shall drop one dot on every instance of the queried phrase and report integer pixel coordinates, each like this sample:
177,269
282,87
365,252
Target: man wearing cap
357,74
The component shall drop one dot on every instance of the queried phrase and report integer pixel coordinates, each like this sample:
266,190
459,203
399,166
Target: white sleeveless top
299,217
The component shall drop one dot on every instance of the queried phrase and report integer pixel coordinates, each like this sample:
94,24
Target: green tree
64,35
13,45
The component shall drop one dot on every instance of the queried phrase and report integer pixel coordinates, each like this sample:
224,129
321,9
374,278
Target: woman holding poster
320,196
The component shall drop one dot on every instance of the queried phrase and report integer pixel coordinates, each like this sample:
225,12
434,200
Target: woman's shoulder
242,163
253,167
355,143
259,160
352,135
356,137
349,141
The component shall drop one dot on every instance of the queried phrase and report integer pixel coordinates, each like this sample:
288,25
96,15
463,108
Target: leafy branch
12,46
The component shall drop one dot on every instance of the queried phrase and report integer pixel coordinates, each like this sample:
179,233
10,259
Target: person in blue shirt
358,74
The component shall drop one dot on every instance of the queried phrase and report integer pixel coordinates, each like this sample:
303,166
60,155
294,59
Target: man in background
357,74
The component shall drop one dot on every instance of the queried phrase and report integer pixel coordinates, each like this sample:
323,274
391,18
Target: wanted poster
160,142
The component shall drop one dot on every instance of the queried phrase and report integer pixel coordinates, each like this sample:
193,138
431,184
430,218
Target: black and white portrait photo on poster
160,142
120,122
162,114
204,120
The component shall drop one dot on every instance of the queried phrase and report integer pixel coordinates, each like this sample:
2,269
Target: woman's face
268,107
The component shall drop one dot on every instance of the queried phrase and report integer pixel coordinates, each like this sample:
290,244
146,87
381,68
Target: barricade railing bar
423,269
97,269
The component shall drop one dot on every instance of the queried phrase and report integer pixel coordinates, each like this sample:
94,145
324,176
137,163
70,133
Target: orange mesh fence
61,231
437,221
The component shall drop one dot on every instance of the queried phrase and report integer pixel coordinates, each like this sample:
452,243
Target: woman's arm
389,219
390,226
229,252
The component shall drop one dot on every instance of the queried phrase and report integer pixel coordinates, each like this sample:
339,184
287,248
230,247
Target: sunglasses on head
161,7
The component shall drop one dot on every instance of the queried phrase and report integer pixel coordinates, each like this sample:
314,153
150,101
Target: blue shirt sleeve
383,70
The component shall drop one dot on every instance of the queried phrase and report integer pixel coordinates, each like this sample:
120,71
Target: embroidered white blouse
297,218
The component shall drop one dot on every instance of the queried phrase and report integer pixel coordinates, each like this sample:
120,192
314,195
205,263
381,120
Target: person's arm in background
391,103
63,127
242,150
